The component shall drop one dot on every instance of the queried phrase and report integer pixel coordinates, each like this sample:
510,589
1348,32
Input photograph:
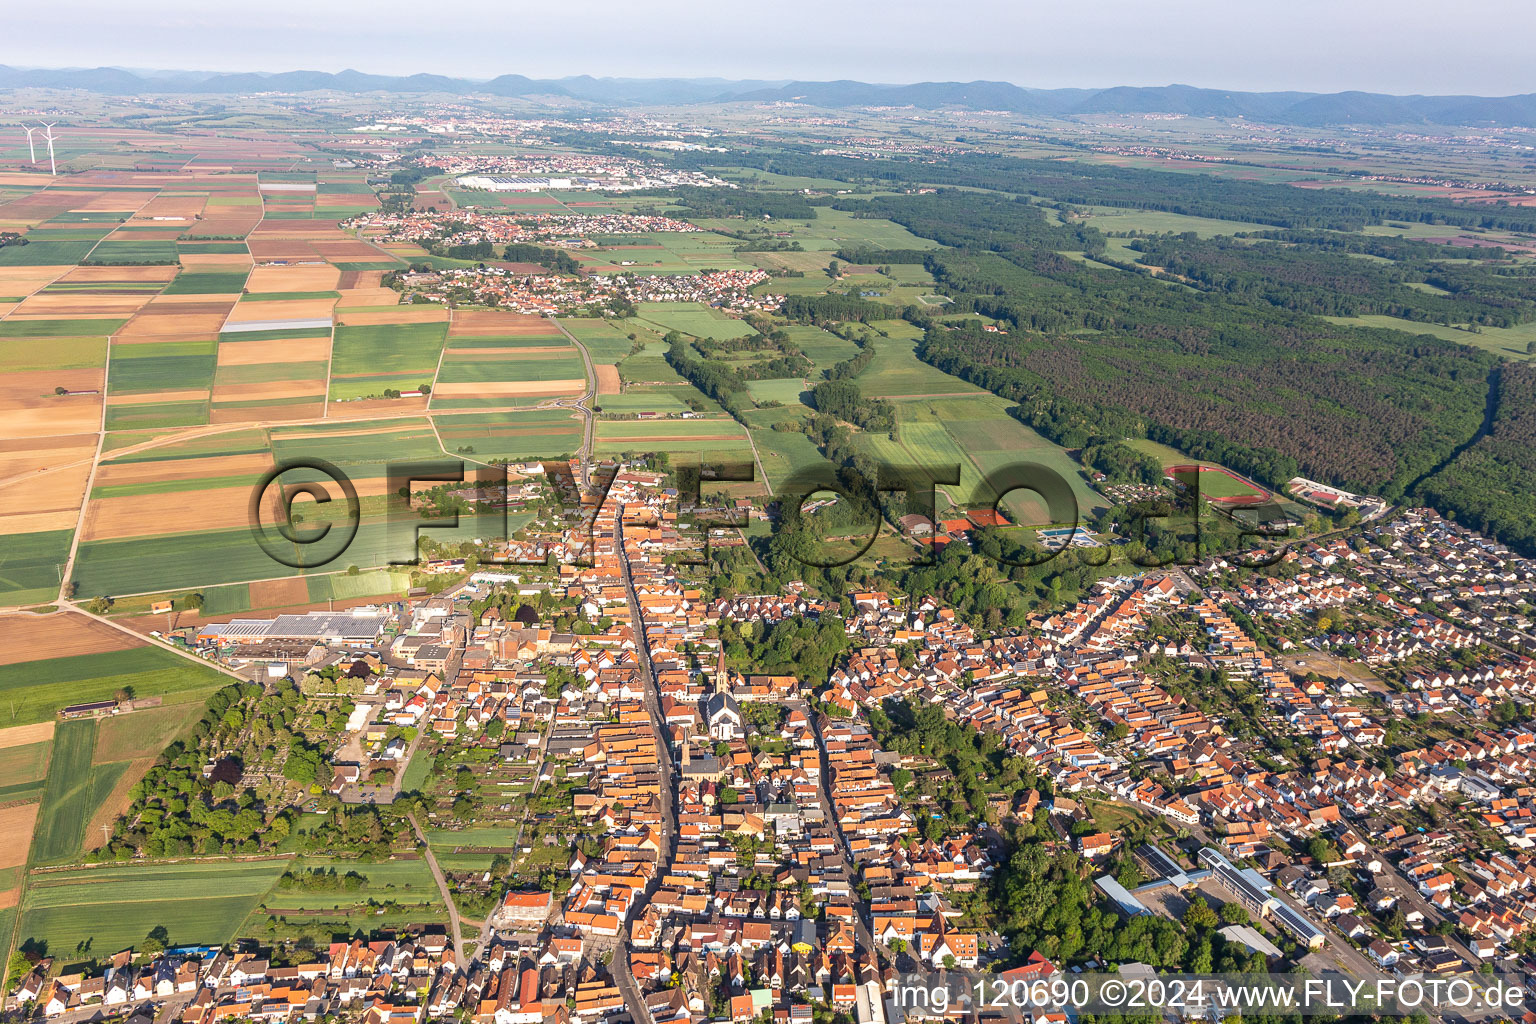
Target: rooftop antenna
30,147
53,168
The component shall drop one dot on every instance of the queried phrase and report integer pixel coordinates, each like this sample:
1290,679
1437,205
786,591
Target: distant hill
1298,108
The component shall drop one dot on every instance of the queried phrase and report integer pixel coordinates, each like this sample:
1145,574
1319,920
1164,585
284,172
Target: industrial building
1253,893
1123,897
506,183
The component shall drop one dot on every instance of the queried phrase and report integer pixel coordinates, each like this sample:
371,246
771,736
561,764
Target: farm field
1507,342
607,341
705,437
406,882
692,318
111,908
68,793
896,372
33,691
30,564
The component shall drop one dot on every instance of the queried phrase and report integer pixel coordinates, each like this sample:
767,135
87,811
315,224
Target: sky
1397,46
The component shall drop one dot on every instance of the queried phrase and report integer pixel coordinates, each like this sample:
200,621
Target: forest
1491,486
1089,184
1313,279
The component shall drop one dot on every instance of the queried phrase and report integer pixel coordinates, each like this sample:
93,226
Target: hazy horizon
1307,45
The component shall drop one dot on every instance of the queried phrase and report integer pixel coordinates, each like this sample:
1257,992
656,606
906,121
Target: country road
442,887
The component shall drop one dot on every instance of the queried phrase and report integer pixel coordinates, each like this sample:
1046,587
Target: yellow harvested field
354,297
196,261
39,522
284,309
185,207
268,391
285,350
113,473
41,732
25,637
369,408
174,322
111,202
149,515
82,275
402,315
509,389
29,408
607,378
493,322
44,498
75,306
320,277
16,824
270,413
26,280
33,454
154,397
511,355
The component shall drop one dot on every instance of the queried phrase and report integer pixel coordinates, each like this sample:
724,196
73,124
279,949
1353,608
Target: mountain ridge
1292,107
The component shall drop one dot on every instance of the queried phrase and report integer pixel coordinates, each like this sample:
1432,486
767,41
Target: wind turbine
31,148
53,168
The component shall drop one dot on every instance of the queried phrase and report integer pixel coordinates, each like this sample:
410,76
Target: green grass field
897,372
408,882
1508,342
392,348
786,390
30,564
220,282
157,414
115,907
693,318
33,691
649,365
68,793
58,328
23,764
135,251
162,366
143,733
532,367
18,354
510,435
606,341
